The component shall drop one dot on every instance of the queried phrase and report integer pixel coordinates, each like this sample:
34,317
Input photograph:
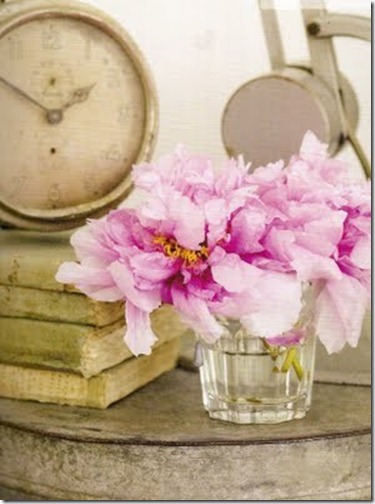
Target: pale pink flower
290,338
321,230
233,244
170,250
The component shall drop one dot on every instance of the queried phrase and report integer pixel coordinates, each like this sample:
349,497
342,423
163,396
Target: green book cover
57,306
31,259
80,348
62,387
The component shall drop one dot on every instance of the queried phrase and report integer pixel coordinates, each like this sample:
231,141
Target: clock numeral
17,184
123,113
90,183
15,49
54,194
112,153
88,49
51,39
113,79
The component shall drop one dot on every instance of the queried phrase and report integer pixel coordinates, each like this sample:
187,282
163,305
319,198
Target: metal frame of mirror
266,118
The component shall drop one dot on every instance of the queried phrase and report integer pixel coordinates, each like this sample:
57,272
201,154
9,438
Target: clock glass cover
74,112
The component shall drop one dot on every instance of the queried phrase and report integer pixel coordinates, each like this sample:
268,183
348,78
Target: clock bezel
74,216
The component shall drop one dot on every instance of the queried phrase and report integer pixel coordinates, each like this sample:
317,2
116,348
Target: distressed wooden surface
169,411
159,444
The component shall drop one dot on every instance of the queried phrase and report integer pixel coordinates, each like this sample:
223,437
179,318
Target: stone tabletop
169,411
160,444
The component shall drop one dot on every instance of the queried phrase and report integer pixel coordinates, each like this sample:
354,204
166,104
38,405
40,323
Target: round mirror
266,118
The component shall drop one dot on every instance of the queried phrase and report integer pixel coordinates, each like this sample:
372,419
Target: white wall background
201,51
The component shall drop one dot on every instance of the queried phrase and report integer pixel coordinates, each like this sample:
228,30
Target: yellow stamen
172,249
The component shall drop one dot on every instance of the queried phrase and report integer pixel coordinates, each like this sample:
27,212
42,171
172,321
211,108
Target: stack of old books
57,345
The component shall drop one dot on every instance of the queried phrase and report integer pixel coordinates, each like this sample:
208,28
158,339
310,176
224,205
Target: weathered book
80,348
30,259
57,306
62,387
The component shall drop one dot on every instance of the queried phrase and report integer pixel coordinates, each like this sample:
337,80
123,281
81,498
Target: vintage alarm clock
78,109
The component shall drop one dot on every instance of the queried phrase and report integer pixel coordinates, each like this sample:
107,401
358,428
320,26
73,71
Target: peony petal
106,294
363,224
123,276
268,175
340,309
361,253
279,305
238,198
118,227
139,336
96,283
153,266
293,337
189,220
310,266
87,242
70,273
234,274
152,209
217,254
323,235
145,176
278,244
195,313
215,211
247,228
312,148
236,305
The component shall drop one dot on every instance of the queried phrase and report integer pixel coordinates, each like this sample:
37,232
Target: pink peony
321,230
290,338
232,244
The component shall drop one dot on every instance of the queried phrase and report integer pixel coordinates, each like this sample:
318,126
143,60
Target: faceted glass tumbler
246,380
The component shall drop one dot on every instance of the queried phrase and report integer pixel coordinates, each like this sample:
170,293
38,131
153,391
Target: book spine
57,306
72,347
62,387
31,259
50,344
29,270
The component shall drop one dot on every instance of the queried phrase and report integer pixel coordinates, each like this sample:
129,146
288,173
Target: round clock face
76,113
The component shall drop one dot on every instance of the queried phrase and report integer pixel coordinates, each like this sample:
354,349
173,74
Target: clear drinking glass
247,380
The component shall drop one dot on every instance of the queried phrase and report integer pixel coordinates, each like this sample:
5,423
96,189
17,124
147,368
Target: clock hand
53,116
22,93
78,96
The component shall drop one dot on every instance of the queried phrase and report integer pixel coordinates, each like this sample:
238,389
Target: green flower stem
298,368
272,350
291,359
